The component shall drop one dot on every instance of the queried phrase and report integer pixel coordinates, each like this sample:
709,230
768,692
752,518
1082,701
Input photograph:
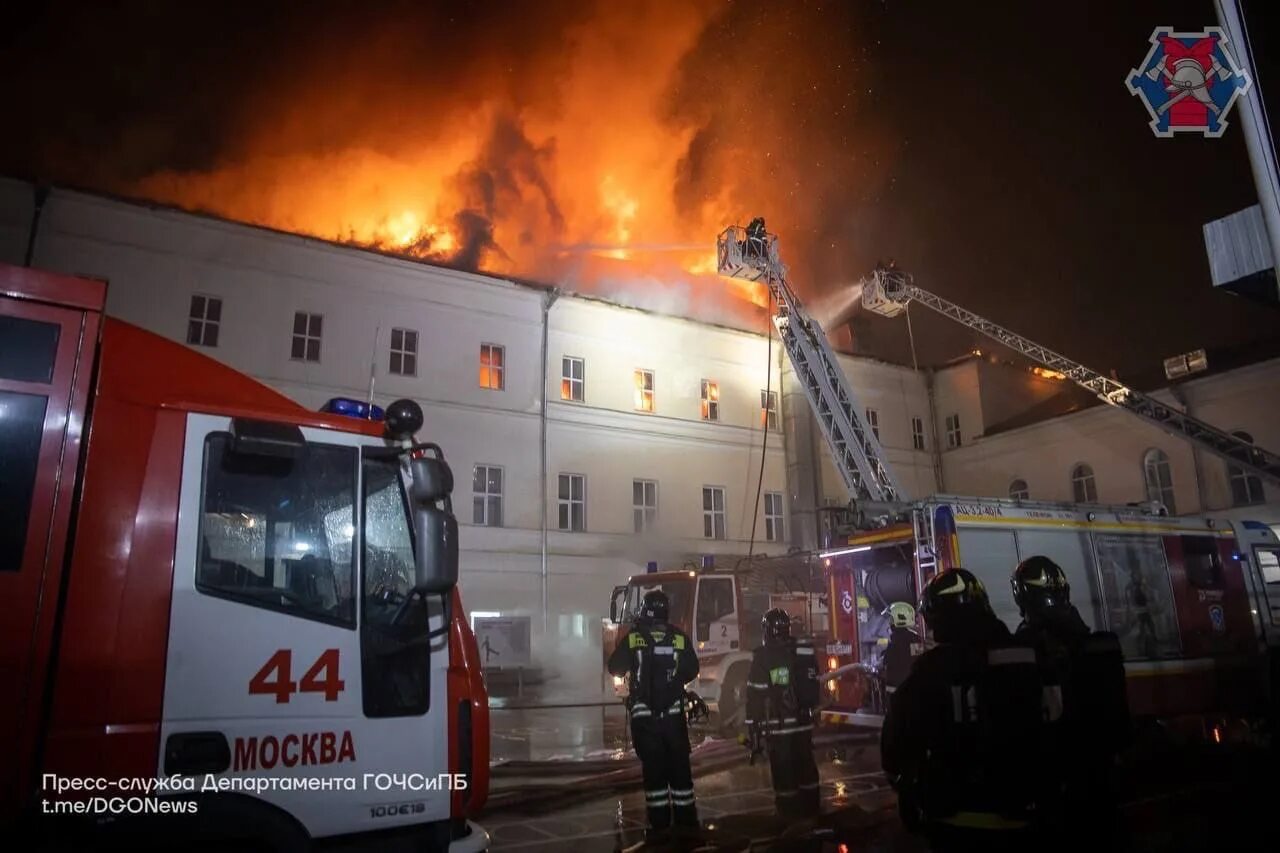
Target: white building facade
638,435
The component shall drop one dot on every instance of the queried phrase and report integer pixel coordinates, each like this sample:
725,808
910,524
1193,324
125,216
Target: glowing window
492,366
710,400
644,390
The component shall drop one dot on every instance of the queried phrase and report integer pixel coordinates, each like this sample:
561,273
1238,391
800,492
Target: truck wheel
733,701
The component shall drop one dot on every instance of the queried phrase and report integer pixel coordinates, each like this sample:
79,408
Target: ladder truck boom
888,291
752,254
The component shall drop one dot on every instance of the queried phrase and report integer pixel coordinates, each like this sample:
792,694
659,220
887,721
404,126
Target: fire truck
229,619
1196,601
720,610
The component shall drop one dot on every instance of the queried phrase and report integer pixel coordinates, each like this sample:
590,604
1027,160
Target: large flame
608,166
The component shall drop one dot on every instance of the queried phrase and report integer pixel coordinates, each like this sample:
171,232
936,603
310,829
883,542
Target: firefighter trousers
662,745
794,771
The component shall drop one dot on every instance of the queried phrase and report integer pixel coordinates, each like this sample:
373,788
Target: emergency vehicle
721,611
1195,601
210,586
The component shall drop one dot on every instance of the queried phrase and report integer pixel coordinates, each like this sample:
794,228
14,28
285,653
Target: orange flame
599,170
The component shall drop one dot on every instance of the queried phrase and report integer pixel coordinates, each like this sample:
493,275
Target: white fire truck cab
229,619
721,612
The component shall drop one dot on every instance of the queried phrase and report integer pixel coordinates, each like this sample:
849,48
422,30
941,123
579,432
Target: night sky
992,149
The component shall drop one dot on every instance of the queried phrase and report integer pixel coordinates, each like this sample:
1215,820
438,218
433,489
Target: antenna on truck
373,363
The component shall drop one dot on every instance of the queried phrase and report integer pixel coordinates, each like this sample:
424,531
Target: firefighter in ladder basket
658,660
782,693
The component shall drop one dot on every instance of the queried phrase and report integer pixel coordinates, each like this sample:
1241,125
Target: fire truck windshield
679,595
277,532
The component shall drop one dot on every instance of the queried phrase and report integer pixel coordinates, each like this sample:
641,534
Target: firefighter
757,238
658,660
782,694
1087,669
1049,619
904,645
963,741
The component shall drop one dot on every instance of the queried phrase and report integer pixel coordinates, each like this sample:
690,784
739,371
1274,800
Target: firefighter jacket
658,661
782,687
964,738
1087,669
903,646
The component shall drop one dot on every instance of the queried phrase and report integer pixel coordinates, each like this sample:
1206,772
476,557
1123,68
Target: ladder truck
752,254
888,292
1220,581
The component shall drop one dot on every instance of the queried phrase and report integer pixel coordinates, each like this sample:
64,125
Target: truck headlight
617,682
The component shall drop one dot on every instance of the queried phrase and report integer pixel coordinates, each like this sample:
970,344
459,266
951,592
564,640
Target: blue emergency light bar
353,409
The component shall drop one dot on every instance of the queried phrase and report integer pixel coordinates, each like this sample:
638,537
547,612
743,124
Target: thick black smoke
510,171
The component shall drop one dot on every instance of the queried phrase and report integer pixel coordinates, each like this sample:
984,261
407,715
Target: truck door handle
196,752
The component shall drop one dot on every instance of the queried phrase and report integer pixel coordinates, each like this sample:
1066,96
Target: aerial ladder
888,291
751,254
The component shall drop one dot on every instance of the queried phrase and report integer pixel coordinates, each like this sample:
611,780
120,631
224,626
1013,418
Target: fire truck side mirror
436,538
432,479
435,527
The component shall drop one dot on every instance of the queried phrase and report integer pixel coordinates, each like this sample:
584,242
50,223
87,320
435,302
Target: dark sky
999,155
1030,190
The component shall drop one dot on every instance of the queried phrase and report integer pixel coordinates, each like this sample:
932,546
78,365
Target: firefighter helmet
655,608
901,614
776,626
955,605
1039,583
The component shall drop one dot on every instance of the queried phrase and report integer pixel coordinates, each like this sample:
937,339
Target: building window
644,504
1159,476
493,359
1083,488
713,512
917,433
773,516
1246,488
710,400
404,352
571,373
306,336
486,495
644,390
953,430
873,421
573,502
1018,490
203,321
769,410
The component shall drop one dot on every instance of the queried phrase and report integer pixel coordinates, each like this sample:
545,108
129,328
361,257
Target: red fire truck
228,617
1195,600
